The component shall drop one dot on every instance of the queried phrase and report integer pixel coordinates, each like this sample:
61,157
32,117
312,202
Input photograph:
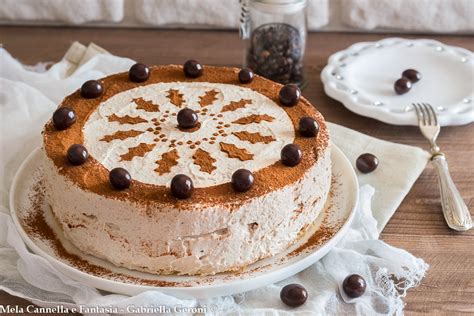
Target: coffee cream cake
185,169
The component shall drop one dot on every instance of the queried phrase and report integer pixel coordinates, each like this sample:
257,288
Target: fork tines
425,113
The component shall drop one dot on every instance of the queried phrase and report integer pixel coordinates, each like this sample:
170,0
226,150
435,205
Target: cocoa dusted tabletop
417,226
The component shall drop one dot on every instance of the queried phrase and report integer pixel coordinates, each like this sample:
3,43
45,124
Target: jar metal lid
279,6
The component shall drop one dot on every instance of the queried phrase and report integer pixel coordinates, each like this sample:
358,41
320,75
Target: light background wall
441,16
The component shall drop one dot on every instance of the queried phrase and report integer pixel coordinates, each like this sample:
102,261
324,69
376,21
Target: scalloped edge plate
337,214
361,77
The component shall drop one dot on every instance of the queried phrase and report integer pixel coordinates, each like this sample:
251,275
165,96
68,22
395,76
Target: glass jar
275,34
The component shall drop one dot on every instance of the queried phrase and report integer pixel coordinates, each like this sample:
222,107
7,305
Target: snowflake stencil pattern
138,128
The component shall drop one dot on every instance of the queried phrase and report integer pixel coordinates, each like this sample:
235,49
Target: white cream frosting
143,168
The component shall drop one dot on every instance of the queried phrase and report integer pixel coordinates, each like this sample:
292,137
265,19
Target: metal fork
454,209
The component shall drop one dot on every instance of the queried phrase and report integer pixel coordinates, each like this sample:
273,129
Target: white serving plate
362,76
337,215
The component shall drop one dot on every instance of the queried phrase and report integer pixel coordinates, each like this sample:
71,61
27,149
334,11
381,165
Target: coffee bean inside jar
276,52
274,32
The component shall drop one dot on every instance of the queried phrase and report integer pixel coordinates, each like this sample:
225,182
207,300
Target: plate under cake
216,229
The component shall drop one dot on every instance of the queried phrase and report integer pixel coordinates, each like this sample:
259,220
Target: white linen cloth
383,15
222,13
411,15
64,11
27,100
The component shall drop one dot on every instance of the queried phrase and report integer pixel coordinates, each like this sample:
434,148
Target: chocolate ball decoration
294,295
354,286
182,186
308,127
402,86
187,118
412,75
120,178
139,73
290,95
367,163
291,155
192,69
242,180
63,118
246,75
92,89
77,154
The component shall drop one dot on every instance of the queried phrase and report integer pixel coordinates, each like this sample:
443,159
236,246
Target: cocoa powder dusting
323,234
127,119
235,152
121,135
167,161
204,160
254,137
138,151
175,97
254,118
208,98
234,105
147,106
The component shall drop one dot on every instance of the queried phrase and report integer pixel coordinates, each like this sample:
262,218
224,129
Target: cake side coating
207,240
217,229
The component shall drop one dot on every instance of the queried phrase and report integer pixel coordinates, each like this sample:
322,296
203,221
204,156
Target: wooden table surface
418,225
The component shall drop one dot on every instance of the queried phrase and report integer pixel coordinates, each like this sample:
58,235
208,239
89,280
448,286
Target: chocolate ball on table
139,73
402,86
77,154
187,118
92,89
294,295
412,75
120,178
290,95
354,286
367,163
63,118
291,155
308,127
242,180
192,68
181,186
246,75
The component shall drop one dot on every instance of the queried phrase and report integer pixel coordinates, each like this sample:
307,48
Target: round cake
185,171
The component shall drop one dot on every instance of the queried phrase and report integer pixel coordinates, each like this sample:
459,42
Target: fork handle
454,209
